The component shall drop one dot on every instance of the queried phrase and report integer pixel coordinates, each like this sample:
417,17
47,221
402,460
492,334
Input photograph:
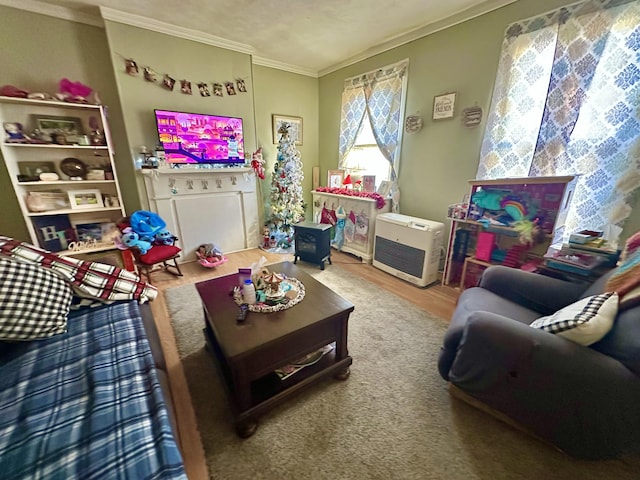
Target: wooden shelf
56,229
63,182
99,248
57,146
47,103
67,211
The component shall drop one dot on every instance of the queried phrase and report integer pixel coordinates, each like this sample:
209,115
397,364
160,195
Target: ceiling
309,37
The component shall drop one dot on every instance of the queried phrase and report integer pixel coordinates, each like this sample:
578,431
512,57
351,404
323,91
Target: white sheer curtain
379,93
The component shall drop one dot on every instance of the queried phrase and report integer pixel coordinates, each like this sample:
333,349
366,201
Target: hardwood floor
438,300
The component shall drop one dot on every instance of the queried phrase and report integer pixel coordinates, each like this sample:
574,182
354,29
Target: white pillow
585,321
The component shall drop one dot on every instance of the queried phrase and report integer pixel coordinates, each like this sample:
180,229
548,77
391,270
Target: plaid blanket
87,404
90,279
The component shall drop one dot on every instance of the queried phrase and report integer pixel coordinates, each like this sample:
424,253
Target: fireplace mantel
218,206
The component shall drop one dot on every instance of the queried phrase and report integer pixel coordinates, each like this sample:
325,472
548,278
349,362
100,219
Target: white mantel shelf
194,170
206,205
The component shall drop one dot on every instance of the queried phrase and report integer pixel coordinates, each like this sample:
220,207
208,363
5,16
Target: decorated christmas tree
286,203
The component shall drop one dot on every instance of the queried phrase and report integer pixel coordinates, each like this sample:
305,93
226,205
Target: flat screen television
194,138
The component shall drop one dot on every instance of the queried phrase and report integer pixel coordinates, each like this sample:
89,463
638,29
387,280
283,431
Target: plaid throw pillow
585,322
34,302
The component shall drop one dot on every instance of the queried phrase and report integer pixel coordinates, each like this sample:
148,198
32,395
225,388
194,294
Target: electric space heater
408,247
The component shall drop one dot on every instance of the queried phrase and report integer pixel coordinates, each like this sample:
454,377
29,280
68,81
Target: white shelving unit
56,229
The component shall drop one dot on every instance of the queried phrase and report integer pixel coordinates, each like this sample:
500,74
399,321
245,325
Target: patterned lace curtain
380,94
566,101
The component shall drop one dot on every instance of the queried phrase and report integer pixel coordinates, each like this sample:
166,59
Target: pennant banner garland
151,76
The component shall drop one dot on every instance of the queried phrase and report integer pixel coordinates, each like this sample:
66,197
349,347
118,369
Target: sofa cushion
34,302
585,322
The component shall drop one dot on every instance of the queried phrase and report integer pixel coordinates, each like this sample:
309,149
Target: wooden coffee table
247,353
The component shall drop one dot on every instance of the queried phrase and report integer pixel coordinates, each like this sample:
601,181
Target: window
370,125
365,157
566,102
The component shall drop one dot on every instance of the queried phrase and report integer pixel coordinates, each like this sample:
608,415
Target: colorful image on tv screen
196,138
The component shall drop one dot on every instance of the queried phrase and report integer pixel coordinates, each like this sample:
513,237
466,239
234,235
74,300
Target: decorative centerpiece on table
274,292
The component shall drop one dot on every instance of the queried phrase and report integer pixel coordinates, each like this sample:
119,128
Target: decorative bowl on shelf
73,168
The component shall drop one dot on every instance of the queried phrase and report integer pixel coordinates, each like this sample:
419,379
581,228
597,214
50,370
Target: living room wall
37,52
56,48
181,59
287,94
437,161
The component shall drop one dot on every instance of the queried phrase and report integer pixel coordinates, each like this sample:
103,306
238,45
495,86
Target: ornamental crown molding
54,11
173,30
106,13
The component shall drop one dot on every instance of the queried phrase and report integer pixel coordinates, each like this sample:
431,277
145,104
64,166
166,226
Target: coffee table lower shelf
269,391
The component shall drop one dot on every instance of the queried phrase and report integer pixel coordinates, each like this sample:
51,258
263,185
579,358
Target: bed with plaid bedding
86,404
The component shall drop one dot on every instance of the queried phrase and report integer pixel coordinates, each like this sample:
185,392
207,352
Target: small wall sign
443,106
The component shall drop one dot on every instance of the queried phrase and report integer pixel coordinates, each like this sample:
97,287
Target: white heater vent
408,247
404,258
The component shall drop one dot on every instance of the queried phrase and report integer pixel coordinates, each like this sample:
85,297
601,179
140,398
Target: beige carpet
392,419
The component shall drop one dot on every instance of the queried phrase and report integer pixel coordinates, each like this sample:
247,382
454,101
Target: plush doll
488,199
209,252
132,239
266,235
257,163
165,237
146,224
74,92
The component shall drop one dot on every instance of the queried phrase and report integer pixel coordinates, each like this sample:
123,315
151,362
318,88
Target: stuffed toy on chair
164,237
131,239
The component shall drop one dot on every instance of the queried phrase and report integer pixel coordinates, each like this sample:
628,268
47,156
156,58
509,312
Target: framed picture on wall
295,127
443,105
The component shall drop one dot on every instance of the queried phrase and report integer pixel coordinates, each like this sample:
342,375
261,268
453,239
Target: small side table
312,242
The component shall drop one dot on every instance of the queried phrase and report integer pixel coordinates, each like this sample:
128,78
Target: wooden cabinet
74,213
488,231
361,211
